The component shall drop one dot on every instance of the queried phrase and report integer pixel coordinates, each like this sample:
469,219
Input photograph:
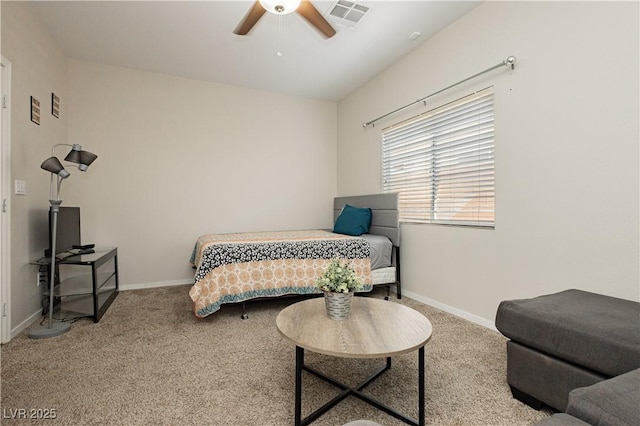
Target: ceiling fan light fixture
280,7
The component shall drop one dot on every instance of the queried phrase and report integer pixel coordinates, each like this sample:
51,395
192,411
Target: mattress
381,248
383,275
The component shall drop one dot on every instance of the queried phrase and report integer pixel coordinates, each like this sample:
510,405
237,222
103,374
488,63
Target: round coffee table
375,329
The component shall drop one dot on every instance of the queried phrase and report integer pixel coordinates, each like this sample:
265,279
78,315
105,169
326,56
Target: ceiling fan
283,7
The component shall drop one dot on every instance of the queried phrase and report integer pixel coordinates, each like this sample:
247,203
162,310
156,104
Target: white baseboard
125,287
26,323
36,315
451,310
446,308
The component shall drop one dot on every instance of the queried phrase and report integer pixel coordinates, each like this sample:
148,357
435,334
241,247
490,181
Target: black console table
82,293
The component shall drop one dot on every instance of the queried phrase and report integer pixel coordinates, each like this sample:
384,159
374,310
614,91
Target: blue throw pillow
353,221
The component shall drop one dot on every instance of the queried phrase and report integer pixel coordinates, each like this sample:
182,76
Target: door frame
5,202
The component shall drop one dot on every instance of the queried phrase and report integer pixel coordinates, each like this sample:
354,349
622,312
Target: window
442,163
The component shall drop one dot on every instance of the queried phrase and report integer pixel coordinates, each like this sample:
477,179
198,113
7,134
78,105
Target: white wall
39,67
567,132
178,158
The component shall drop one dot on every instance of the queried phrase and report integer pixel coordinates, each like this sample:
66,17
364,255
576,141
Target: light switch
21,187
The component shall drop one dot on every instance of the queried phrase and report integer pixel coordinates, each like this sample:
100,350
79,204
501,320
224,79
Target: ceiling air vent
347,13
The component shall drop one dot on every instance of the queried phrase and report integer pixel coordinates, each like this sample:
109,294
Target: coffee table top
375,329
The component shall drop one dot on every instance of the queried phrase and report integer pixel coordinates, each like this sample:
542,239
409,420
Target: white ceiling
194,39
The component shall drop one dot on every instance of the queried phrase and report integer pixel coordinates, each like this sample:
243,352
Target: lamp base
44,332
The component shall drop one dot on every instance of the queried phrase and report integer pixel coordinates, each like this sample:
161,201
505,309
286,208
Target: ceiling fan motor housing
280,7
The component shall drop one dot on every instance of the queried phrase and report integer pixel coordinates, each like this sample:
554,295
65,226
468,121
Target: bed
238,267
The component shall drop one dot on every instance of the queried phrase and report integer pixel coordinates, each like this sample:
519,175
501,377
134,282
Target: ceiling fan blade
252,17
311,14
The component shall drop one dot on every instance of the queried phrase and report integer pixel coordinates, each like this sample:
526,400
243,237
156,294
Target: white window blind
442,163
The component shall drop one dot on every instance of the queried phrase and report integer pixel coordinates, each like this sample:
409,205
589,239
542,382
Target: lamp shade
280,7
86,158
74,155
80,157
53,165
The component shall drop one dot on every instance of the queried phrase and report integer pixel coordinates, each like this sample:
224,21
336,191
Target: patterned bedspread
236,267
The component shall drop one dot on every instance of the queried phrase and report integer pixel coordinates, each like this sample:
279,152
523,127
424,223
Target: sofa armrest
612,402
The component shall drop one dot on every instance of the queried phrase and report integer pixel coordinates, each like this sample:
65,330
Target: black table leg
299,365
346,391
421,386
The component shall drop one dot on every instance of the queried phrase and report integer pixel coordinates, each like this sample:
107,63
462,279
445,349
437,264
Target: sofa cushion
613,402
598,332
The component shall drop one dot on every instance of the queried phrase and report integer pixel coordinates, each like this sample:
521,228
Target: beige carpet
150,361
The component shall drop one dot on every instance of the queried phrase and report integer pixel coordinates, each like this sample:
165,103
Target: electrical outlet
39,278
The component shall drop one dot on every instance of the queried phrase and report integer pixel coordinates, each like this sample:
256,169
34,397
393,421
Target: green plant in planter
339,278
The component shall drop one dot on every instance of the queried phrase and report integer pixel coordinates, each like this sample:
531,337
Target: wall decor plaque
35,110
55,105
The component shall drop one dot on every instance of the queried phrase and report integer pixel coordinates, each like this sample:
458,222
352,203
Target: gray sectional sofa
568,340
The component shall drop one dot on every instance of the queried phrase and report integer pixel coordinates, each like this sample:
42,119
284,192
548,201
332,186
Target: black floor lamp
58,173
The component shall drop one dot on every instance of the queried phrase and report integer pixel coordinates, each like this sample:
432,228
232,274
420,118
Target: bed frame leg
388,296
398,279
244,315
